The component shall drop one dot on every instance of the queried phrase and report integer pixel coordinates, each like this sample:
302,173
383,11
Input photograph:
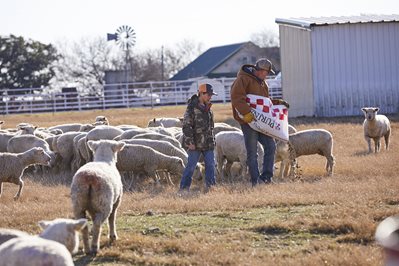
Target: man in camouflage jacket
198,137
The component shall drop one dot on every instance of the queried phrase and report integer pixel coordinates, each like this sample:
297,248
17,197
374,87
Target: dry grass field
315,220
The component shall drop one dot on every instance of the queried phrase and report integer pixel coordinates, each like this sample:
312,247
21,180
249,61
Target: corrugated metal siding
355,65
296,70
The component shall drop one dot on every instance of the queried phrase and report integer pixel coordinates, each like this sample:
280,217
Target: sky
167,22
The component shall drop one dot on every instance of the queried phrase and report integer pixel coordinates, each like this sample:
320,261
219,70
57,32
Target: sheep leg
96,232
85,231
1,188
386,137
330,165
368,143
21,185
377,144
111,221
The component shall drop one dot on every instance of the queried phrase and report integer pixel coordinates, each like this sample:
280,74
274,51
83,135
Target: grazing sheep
130,133
305,142
78,160
157,136
139,158
34,251
64,231
63,146
375,127
230,146
7,234
165,122
12,166
219,127
97,189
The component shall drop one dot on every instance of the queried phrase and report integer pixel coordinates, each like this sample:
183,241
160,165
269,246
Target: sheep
291,129
64,231
139,158
157,136
12,166
67,127
230,146
219,127
165,122
7,234
63,146
4,138
100,119
97,189
103,132
34,251
130,133
78,160
375,127
18,144
305,142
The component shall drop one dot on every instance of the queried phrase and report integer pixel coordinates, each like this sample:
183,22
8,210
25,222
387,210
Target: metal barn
333,66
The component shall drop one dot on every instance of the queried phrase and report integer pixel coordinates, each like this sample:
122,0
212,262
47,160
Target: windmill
125,37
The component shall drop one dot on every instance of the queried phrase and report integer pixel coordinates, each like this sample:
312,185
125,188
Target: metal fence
123,95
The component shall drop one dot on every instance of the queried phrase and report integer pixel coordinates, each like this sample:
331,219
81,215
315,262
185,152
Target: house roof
323,21
208,61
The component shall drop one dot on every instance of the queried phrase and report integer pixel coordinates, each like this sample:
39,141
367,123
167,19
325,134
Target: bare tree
265,38
84,63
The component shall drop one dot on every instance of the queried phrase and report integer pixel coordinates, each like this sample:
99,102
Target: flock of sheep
98,155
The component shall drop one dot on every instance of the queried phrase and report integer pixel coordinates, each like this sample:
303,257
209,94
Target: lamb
165,122
34,251
97,189
375,127
139,158
22,143
64,231
230,146
13,165
305,142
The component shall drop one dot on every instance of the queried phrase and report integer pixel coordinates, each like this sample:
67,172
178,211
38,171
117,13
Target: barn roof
323,21
208,61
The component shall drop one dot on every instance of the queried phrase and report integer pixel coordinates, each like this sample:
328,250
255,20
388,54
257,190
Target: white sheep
158,136
34,251
130,133
375,127
4,138
100,119
230,146
64,231
12,166
165,122
305,142
78,160
139,158
7,234
67,127
22,143
219,127
97,189
63,146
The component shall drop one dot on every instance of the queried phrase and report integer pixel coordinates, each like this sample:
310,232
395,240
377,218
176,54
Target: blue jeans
251,138
193,157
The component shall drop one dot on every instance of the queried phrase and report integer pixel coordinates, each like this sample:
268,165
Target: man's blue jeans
251,138
193,157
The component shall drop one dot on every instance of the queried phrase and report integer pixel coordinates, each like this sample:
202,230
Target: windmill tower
125,38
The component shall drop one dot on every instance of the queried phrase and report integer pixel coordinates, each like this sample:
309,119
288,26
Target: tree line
25,63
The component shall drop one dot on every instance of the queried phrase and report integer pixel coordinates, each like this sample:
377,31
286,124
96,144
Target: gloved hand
248,118
280,101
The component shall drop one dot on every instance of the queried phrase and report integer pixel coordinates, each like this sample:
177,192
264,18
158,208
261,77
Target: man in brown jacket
251,80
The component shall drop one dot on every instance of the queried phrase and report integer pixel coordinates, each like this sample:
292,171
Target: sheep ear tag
270,119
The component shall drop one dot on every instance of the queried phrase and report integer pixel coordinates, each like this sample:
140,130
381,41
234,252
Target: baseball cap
264,64
206,88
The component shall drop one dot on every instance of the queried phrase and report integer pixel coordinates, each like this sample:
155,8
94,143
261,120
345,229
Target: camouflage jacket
198,125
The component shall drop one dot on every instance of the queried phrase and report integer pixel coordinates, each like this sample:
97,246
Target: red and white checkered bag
270,119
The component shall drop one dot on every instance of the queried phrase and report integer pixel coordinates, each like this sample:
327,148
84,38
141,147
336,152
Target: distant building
225,61
333,66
